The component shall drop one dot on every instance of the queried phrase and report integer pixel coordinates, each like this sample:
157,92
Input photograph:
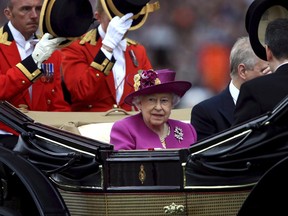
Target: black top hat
259,14
140,9
66,18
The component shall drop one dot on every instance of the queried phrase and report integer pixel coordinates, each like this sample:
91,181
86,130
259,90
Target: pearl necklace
165,134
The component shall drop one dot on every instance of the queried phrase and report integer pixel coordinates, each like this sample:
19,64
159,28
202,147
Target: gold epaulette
89,37
131,42
4,37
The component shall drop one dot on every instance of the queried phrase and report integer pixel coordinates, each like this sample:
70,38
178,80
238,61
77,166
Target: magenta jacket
132,133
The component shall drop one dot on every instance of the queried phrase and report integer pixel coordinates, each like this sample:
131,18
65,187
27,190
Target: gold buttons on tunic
48,101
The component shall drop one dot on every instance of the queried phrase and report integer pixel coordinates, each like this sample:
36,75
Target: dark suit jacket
213,115
260,95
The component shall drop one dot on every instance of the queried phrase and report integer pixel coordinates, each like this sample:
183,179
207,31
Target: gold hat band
148,8
47,18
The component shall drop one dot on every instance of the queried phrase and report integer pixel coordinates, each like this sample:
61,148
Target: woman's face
156,108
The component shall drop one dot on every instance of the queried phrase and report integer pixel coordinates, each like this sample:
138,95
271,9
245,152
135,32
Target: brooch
178,133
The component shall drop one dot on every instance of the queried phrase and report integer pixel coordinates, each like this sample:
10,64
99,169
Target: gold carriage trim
142,174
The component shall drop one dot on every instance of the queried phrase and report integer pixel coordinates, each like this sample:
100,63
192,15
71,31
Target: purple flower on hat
145,78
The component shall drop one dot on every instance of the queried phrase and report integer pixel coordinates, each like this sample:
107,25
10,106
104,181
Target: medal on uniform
133,57
48,72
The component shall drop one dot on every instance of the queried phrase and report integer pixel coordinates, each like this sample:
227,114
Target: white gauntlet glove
116,30
45,47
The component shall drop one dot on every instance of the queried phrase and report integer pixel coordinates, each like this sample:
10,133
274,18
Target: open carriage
52,171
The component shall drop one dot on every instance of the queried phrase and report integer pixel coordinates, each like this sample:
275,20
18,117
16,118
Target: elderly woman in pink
155,94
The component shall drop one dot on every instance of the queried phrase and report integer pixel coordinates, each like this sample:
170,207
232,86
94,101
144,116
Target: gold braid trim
31,76
105,67
131,42
89,37
4,38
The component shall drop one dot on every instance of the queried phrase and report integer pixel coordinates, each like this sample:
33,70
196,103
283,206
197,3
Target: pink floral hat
160,81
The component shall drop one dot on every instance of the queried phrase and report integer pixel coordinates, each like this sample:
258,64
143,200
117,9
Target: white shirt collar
18,37
233,91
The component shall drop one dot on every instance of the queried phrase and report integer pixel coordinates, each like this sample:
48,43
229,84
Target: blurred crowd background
193,38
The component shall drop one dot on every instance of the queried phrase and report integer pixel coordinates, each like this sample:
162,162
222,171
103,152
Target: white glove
45,47
116,30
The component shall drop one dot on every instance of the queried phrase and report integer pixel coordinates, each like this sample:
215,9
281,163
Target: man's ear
97,16
7,13
242,71
269,54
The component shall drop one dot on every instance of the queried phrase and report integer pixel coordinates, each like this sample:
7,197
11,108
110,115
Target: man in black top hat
261,95
97,66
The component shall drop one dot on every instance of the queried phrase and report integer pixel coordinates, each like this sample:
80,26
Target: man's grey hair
242,52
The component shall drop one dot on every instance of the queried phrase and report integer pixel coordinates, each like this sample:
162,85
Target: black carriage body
87,177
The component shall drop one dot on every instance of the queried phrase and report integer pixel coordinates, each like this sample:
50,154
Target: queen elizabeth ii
156,93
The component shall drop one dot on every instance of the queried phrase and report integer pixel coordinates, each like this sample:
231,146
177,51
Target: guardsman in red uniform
29,68
96,67
24,79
